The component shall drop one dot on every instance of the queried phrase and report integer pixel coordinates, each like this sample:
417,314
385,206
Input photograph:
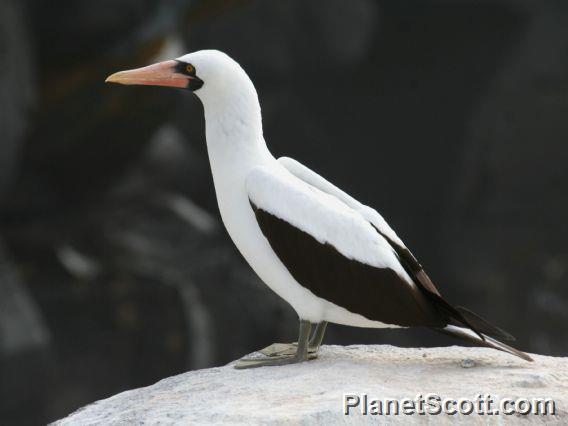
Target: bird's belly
246,234
241,224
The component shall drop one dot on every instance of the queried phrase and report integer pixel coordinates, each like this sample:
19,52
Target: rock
314,392
467,363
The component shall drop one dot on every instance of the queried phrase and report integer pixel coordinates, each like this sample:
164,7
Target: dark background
449,117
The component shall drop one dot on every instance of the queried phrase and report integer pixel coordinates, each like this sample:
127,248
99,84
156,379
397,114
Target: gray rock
313,392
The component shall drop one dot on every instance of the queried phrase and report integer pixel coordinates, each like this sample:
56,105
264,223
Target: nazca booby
332,258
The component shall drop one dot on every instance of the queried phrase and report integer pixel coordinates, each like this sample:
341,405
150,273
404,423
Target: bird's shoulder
368,213
280,193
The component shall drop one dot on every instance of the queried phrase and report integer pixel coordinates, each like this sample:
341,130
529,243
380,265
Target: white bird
332,258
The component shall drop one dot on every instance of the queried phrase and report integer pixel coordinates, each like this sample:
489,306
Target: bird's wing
411,264
332,250
459,315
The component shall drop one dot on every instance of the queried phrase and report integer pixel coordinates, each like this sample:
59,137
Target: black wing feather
378,294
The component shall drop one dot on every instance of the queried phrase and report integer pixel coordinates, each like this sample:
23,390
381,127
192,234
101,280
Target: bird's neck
235,142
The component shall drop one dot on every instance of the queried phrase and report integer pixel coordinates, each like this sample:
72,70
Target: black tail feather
484,326
454,315
488,342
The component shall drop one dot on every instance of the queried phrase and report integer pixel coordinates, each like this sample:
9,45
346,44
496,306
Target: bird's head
229,98
207,73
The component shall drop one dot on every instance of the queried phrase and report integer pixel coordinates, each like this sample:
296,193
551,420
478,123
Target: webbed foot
279,349
282,353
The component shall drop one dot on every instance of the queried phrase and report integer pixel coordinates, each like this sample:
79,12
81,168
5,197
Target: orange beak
160,74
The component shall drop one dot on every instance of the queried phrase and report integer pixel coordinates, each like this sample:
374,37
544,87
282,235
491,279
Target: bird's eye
190,68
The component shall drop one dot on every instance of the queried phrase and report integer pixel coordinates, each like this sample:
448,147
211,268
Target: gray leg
317,338
278,349
300,355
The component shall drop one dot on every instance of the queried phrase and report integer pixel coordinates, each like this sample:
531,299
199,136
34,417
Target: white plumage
322,215
368,213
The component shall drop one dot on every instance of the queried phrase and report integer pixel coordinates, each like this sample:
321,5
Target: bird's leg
300,355
277,349
317,338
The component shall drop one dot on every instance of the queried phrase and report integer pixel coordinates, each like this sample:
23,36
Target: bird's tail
483,341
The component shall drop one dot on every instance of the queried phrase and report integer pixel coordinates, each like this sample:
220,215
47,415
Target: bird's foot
279,349
284,354
314,343
275,360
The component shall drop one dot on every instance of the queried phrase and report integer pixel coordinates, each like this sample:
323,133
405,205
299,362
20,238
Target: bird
331,257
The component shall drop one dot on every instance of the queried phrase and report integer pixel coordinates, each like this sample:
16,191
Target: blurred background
449,117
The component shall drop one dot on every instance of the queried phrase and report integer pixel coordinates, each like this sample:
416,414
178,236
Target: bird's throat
235,143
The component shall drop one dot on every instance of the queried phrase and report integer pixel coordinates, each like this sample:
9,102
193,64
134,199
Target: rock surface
313,392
